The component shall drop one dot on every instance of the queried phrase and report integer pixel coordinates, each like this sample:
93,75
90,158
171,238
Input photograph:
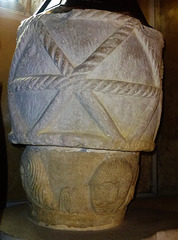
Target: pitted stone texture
86,78
78,188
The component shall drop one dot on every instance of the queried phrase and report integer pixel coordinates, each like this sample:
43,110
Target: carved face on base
109,186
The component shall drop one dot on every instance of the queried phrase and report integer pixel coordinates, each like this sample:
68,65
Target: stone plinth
146,217
85,90
78,188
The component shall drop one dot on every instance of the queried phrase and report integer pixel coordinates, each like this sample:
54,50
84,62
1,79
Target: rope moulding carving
88,101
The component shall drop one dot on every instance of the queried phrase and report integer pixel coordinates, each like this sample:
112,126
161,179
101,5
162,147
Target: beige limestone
78,188
145,217
86,78
85,88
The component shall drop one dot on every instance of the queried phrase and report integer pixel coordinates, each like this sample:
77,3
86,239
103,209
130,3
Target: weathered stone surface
145,217
78,188
85,88
86,78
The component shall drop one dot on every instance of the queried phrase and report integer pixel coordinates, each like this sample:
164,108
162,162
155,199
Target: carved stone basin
85,96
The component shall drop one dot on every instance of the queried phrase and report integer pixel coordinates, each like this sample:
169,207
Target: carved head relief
109,186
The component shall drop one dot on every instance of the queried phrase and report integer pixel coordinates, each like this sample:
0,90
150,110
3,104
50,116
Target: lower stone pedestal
144,218
76,188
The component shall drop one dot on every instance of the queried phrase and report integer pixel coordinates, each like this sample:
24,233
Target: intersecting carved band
80,84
